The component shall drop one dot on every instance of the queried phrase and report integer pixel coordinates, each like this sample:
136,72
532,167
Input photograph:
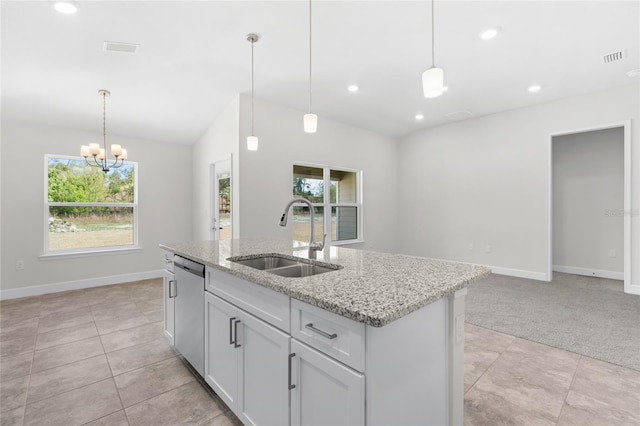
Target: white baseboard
633,289
613,275
520,273
36,290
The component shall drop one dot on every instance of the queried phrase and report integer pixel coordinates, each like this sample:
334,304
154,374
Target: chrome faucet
314,245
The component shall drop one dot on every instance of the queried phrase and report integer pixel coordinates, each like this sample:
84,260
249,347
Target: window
87,210
338,209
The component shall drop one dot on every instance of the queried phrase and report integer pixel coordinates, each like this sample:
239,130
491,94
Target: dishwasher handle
189,265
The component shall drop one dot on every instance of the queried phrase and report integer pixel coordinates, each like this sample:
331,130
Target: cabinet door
326,392
220,358
169,306
262,373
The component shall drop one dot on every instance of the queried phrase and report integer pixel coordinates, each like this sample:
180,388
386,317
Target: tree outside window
339,209
87,209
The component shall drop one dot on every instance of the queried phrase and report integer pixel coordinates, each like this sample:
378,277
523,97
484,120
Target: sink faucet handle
317,245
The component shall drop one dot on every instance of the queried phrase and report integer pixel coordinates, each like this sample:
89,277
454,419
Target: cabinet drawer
268,305
335,335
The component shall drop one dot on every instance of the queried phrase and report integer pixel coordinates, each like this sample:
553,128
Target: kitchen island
389,328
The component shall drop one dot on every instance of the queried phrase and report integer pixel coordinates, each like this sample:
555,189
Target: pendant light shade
252,141
433,78
433,82
310,123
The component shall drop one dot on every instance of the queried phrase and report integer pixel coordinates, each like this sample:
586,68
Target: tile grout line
573,377
33,356
493,362
69,343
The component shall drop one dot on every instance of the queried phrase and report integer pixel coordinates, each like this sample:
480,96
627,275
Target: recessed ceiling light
488,34
66,7
353,88
633,73
419,116
535,88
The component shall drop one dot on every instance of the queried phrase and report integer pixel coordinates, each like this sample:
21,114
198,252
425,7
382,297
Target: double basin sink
285,266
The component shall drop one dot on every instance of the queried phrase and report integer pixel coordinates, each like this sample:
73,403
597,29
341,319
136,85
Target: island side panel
407,374
455,320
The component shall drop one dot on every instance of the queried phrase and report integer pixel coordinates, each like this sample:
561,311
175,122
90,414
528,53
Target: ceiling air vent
458,115
615,56
114,46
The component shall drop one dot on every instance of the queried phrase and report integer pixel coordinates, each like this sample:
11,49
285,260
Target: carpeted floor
586,315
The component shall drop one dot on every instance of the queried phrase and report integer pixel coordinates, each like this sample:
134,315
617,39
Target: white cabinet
246,363
332,334
324,391
220,357
168,283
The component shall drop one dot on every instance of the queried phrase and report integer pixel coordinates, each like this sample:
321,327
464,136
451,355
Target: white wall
588,180
164,178
265,175
484,182
219,142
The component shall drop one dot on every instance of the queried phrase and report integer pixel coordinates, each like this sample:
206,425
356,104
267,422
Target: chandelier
100,154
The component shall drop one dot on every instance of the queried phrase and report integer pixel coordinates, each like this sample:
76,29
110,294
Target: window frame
87,251
327,205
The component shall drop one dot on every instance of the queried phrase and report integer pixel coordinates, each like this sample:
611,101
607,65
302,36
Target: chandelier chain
104,124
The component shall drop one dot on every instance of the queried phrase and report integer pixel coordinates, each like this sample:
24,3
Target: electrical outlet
612,253
487,249
19,265
470,246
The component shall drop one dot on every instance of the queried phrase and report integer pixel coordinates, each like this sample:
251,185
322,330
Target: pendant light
310,119
433,78
99,155
252,141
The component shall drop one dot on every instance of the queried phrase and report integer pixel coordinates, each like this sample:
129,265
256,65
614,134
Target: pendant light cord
252,42
310,56
433,37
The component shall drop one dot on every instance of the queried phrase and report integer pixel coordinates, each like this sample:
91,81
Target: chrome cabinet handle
291,386
170,284
235,333
320,332
231,342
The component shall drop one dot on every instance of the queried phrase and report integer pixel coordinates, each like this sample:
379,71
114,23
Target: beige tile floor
98,357
512,381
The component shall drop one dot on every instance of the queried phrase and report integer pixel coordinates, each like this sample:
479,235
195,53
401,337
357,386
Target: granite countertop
372,287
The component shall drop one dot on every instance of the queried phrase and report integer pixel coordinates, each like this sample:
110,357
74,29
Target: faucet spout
313,244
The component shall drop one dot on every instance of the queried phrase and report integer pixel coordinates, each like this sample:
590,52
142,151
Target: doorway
589,197
221,208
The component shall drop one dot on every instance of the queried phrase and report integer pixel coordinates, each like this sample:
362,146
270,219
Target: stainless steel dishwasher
189,311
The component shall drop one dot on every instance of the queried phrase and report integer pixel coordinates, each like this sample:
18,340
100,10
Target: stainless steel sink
266,262
285,266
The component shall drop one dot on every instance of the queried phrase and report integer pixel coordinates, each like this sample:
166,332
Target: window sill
305,244
89,253
346,242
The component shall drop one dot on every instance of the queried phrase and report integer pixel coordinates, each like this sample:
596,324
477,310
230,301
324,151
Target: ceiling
194,58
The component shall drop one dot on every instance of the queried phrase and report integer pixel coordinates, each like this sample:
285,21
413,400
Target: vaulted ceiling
193,57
